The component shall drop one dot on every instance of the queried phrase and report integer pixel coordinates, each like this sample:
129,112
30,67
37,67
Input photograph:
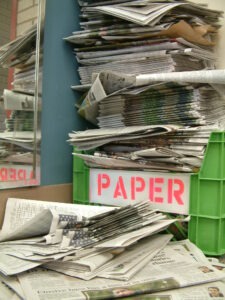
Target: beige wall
27,15
5,19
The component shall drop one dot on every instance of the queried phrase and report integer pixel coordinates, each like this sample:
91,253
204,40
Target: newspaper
93,138
179,149
37,226
149,14
13,284
7,293
116,265
19,136
137,256
10,265
18,101
21,43
160,103
209,76
23,139
120,263
108,83
104,84
26,158
20,211
169,270
155,152
123,163
206,291
52,236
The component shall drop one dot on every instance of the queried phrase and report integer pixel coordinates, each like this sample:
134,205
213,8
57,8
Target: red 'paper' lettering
120,190
135,188
103,182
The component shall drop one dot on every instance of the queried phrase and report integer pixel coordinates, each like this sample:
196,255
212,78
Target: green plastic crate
80,180
207,196
207,199
213,163
208,234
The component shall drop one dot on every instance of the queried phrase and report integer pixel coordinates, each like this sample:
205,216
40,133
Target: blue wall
59,115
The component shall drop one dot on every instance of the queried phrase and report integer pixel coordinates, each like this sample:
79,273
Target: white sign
168,192
12,176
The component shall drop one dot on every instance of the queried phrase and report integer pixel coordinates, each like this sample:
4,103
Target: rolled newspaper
204,76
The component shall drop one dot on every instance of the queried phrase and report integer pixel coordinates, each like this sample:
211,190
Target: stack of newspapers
148,148
19,102
57,251
148,63
142,37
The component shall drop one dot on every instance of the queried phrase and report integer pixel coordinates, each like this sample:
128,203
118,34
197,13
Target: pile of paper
153,93
21,54
18,50
52,235
178,149
93,138
142,37
20,101
62,250
163,103
147,63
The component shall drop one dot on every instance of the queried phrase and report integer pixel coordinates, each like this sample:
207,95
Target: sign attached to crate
168,192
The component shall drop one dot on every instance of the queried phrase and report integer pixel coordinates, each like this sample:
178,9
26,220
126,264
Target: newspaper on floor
168,270
201,291
62,235
20,211
7,293
13,285
137,256
125,264
207,291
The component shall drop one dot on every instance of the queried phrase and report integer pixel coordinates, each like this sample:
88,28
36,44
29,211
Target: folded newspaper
127,258
179,271
92,138
111,83
86,237
177,149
